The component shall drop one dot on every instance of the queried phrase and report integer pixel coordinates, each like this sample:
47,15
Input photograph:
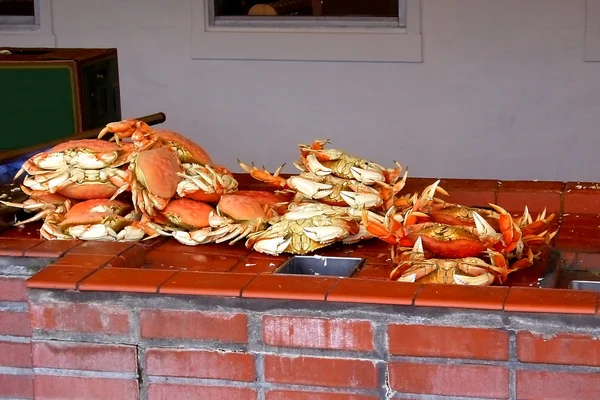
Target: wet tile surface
551,301
125,280
59,277
257,265
289,287
207,284
486,298
51,248
11,247
373,291
190,262
82,260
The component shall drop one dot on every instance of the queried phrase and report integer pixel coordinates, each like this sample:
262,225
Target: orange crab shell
93,211
454,242
89,205
90,218
188,212
95,145
251,204
195,152
50,198
278,201
88,190
158,170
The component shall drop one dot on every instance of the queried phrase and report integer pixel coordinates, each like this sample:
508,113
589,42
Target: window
17,13
26,23
307,30
307,13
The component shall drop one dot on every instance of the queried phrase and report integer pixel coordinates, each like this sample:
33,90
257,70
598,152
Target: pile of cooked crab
144,183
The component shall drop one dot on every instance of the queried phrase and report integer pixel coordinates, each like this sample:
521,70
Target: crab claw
273,246
417,252
366,176
310,189
485,230
359,200
485,279
316,167
324,234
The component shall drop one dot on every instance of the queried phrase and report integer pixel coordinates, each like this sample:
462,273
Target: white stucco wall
503,91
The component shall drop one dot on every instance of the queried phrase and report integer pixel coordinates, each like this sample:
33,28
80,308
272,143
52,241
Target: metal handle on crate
5,157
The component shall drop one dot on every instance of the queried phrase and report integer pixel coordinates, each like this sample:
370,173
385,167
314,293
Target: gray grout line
16,371
512,357
14,306
15,339
84,374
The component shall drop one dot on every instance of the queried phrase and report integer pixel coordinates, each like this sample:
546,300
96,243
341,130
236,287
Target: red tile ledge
81,260
459,296
16,247
352,290
289,287
51,248
59,277
207,284
125,280
559,301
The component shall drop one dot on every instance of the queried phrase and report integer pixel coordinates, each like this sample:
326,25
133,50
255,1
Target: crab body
152,178
306,228
98,219
417,267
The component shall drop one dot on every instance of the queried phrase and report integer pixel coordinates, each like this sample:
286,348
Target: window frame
38,34
591,46
306,43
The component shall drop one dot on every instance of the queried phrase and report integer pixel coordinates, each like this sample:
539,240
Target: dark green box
48,94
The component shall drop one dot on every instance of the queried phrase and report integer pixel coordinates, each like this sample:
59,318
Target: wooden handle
6,156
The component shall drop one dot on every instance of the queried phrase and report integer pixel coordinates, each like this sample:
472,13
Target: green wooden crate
48,94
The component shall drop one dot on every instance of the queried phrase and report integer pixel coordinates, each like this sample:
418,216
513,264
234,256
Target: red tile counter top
157,319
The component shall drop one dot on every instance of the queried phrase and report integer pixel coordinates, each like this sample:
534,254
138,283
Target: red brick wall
16,373
173,347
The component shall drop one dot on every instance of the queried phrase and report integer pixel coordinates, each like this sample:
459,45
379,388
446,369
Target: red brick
222,327
13,289
15,323
315,371
74,317
201,364
85,356
450,379
15,354
160,391
318,333
557,385
566,349
298,395
71,387
450,342
16,386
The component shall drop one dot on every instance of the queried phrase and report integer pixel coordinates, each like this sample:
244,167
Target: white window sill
41,35
592,31
26,38
307,44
